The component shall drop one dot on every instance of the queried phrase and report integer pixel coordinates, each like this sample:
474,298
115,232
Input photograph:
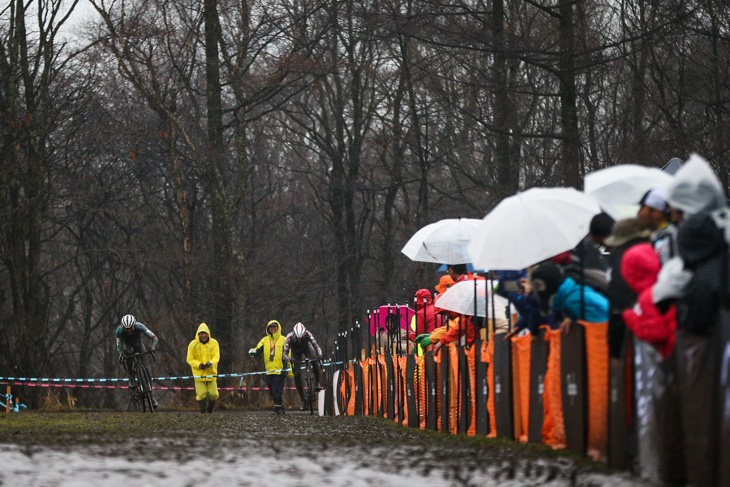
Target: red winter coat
640,267
424,316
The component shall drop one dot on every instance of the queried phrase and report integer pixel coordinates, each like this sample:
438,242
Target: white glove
252,352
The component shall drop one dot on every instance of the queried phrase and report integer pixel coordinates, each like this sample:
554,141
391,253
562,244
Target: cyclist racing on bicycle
302,343
129,341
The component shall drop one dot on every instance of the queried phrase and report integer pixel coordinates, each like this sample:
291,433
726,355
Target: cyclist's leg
297,371
129,365
316,366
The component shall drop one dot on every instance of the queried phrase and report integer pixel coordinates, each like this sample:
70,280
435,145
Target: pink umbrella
378,317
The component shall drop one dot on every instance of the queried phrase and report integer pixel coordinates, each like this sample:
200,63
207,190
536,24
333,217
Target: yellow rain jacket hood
273,349
201,353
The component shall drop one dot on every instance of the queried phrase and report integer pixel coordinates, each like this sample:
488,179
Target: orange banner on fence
403,392
351,385
553,427
471,357
420,380
521,348
454,388
377,383
598,386
488,357
437,359
383,385
366,386
396,389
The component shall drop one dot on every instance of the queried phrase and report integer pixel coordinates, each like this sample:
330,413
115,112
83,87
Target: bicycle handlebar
304,361
139,354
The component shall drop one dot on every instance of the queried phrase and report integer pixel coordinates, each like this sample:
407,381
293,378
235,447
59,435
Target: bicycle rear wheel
145,389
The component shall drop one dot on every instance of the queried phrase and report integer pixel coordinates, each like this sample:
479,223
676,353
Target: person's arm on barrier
565,326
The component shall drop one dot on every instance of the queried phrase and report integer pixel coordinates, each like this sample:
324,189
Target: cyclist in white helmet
129,341
300,343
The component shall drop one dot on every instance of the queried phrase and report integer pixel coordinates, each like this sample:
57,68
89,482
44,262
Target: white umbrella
443,242
459,298
618,189
529,227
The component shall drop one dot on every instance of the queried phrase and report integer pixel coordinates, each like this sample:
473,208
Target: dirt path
240,448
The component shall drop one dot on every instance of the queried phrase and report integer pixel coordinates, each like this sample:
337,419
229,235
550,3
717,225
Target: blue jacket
567,302
528,307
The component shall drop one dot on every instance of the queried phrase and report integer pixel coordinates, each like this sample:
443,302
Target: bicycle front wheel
310,391
145,389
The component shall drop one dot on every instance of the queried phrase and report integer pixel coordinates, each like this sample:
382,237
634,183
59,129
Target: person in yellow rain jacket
272,347
203,357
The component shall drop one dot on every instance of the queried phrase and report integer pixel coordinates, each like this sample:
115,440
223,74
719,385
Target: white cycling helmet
128,321
299,331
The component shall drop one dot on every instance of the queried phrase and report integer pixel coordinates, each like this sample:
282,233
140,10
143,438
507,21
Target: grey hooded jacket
695,188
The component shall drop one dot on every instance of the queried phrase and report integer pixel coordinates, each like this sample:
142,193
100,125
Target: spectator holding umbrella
459,273
654,214
527,304
445,282
569,300
640,267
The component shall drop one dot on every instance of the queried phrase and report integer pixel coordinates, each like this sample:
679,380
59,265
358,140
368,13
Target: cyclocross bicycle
307,383
141,388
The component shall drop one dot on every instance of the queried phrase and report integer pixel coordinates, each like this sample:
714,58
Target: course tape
160,388
54,380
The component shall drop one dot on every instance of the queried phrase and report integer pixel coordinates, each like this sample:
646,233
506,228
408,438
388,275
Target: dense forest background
239,161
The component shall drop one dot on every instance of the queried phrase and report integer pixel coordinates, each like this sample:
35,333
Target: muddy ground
174,448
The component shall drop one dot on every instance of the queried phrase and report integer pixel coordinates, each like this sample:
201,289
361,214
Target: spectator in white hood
695,188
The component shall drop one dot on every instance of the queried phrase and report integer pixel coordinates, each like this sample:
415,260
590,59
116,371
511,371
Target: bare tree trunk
26,106
504,113
214,176
570,161
181,202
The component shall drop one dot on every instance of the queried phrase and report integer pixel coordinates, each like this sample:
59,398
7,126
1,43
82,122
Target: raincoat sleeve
193,362
453,332
216,354
260,347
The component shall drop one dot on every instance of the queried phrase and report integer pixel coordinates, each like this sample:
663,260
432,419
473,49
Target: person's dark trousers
275,382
